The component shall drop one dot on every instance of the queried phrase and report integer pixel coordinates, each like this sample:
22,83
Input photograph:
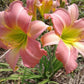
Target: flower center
15,38
70,35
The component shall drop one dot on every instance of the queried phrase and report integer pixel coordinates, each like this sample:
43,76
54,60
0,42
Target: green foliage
62,4
24,2
43,74
75,1
49,65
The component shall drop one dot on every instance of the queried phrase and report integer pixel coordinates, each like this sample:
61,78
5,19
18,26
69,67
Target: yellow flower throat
70,35
15,38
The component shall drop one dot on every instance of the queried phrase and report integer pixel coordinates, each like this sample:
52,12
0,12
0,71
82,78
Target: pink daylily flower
68,34
44,6
18,34
56,4
31,6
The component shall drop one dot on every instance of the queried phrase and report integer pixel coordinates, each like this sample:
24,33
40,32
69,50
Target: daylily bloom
68,34
18,34
45,6
56,4
32,9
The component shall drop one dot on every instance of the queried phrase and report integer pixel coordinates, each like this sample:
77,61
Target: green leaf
58,65
44,81
5,70
12,77
4,65
15,75
40,65
2,79
33,76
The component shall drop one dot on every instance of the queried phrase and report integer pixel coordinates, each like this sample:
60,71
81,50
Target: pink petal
36,28
67,56
79,24
2,45
12,58
80,47
32,7
30,4
38,3
60,19
2,18
3,30
2,22
50,38
32,54
73,11
17,16
56,3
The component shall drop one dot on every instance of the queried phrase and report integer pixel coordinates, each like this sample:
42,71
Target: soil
77,77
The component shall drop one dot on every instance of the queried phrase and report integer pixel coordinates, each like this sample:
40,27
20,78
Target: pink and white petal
56,3
50,38
67,55
80,47
60,19
12,12
74,12
12,58
38,3
30,4
28,59
36,28
3,31
2,45
32,54
17,16
47,16
2,18
24,20
79,24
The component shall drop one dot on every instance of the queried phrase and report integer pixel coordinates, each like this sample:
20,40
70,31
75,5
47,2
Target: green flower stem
57,68
23,78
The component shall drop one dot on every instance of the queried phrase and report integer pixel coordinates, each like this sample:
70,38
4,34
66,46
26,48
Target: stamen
49,28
